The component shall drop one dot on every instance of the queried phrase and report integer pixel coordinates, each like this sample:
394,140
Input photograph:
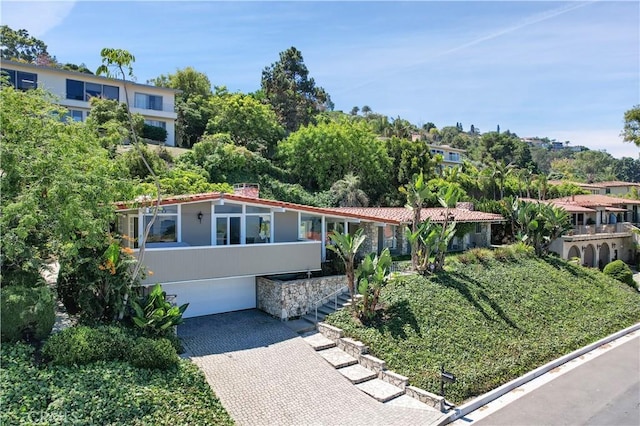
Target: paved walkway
265,374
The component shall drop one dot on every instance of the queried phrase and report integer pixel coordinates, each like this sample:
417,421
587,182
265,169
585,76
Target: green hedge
26,313
153,353
154,133
621,272
82,345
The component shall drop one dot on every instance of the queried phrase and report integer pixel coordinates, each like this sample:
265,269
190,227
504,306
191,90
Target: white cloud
36,17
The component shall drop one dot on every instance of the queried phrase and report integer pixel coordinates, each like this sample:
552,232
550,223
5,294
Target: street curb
482,400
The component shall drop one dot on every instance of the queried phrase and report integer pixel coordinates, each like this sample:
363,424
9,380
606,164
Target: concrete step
319,342
357,373
380,390
326,309
300,326
408,402
337,357
312,317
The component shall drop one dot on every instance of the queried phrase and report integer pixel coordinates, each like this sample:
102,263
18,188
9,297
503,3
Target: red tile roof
392,215
594,200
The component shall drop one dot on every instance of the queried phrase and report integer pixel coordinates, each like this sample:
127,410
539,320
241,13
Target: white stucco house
75,89
212,250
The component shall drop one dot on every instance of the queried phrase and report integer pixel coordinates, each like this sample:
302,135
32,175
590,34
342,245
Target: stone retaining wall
290,299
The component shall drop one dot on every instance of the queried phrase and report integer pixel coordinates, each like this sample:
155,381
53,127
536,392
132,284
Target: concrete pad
319,342
408,402
337,357
357,373
380,390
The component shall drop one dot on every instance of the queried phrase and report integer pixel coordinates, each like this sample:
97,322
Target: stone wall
289,299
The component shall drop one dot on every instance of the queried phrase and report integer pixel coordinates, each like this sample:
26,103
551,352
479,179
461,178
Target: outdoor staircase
341,301
369,374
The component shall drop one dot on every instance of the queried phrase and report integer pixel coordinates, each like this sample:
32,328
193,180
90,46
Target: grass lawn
103,393
489,322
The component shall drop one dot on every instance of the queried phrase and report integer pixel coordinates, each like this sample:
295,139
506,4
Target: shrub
150,353
26,313
154,315
621,272
83,345
22,278
155,133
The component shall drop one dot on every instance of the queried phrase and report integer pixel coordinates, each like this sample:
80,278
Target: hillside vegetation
490,321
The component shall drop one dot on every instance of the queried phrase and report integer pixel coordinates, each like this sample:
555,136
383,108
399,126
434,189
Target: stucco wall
285,227
195,233
289,299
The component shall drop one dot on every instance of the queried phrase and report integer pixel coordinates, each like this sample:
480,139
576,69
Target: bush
22,278
26,313
154,133
149,353
83,345
621,272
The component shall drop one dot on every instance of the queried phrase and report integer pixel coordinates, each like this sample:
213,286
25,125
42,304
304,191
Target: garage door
206,297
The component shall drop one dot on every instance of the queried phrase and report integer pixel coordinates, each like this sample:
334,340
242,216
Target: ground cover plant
490,319
103,392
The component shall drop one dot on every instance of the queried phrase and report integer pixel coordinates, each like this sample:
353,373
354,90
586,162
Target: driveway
265,374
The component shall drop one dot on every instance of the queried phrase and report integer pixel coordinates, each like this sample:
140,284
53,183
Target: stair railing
335,295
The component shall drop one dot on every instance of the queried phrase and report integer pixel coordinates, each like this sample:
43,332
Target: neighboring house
75,89
604,188
210,250
451,156
602,229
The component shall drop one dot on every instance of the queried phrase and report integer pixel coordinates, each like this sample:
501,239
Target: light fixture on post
200,216
613,245
583,248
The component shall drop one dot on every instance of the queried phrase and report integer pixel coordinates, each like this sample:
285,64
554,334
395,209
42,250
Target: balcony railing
612,228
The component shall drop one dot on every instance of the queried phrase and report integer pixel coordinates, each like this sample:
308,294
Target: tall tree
631,130
292,94
192,104
18,45
249,122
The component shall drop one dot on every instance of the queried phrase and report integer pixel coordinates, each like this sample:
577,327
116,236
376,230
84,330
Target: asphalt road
604,391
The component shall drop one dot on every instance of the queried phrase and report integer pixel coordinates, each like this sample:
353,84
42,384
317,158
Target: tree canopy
18,45
631,130
292,94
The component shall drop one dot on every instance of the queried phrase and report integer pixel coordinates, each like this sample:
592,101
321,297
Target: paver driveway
265,374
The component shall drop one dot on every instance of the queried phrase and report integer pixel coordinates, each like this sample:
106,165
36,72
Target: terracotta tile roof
212,196
392,215
594,200
436,214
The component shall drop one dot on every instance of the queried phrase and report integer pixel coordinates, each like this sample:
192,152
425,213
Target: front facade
74,91
211,250
602,229
451,157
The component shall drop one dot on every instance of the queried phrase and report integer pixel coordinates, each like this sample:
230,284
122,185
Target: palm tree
346,247
348,193
366,110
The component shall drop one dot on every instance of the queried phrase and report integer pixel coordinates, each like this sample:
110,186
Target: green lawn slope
490,321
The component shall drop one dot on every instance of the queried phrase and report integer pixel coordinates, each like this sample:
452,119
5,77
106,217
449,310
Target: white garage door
215,296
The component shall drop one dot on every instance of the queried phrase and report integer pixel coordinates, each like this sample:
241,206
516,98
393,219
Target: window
81,91
310,227
75,114
156,123
478,228
21,80
228,224
164,229
144,101
390,237
454,156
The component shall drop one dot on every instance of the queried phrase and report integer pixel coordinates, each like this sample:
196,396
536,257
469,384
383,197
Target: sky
563,70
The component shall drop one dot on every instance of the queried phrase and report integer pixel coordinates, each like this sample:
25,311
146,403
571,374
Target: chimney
464,206
249,190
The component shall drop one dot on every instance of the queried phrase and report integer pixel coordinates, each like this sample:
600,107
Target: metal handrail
335,300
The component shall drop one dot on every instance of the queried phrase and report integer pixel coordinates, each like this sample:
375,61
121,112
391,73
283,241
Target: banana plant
154,315
373,275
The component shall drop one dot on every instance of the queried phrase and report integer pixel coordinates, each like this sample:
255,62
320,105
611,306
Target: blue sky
564,70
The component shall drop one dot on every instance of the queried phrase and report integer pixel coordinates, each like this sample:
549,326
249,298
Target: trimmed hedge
151,353
26,313
621,272
154,133
83,345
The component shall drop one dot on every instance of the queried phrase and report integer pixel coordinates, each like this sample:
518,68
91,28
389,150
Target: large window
310,227
84,91
144,101
390,240
164,229
20,79
227,222
157,123
257,225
